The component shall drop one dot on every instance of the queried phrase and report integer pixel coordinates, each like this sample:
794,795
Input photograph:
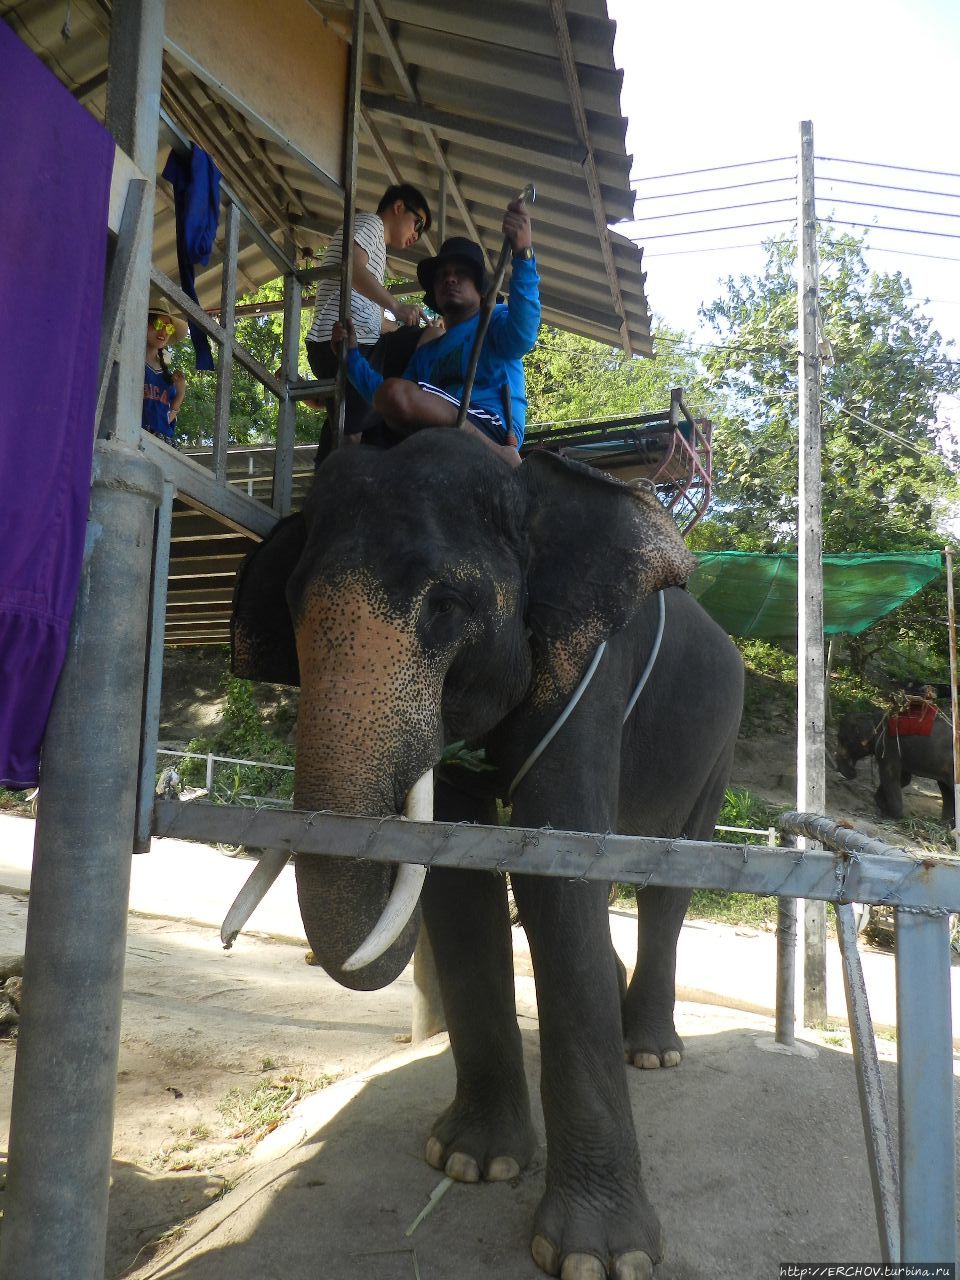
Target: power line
907,444
874,226
720,208
908,253
883,186
717,168
900,168
705,231
655,254
870,204
730,186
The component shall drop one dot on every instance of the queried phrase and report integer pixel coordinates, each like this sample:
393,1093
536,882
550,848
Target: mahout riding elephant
434,595
898,757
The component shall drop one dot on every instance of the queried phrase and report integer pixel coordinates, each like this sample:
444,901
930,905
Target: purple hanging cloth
53,228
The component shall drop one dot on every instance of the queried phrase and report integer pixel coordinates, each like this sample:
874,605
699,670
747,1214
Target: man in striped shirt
401,217
429,391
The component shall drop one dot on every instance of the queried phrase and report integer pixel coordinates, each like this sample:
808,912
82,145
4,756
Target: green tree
889,467
888,482
253,409
570,378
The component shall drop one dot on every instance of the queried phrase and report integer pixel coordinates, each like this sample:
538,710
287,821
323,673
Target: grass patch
253,1113
19,803
741,808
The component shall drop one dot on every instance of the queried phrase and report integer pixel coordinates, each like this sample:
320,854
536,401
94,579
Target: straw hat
159,306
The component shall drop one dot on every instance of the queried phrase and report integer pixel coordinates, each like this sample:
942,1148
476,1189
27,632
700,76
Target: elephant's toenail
545,1255
646,1061
434,1153
635,1265
502,1169
582,1266
462,1168
671,1058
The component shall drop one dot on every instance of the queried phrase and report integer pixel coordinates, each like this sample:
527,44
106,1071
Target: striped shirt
367,315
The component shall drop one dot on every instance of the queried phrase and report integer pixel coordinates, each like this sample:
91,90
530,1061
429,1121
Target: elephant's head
425,593
856,738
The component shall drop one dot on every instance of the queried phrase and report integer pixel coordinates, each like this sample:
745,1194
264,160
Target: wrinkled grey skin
438,595
864,734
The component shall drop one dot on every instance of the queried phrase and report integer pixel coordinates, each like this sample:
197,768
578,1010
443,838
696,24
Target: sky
709,84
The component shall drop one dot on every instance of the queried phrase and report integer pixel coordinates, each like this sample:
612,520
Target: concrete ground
752,1156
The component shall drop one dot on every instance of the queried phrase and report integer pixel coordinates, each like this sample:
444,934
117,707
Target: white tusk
406,888
269,866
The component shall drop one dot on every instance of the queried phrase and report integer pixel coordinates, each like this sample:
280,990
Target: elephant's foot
493,1144
649,1049
650,1039
578,1239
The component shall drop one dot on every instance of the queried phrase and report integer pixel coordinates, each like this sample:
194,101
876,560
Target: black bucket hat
460,249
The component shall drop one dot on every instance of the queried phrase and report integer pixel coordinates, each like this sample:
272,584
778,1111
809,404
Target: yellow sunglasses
164,326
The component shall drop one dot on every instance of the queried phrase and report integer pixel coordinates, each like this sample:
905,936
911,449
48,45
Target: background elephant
437,595
864,733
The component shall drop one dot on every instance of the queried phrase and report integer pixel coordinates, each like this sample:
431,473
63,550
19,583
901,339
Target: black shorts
491,424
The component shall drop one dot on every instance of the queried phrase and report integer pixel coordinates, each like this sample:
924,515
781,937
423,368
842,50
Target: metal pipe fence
230,791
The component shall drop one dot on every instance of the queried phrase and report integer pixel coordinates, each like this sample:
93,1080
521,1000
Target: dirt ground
219,1048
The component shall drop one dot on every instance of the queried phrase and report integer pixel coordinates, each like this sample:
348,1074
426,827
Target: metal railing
235,796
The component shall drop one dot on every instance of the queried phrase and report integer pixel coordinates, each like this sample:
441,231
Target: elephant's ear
597,547
262,643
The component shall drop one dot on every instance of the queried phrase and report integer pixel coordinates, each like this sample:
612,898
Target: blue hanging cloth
196,193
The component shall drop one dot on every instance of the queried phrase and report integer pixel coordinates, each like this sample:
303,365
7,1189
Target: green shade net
754,595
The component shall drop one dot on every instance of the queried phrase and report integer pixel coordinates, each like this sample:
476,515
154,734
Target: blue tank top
157,398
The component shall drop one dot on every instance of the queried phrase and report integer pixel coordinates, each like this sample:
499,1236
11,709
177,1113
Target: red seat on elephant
917,721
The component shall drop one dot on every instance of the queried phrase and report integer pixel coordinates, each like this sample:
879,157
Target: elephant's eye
445,611
446,601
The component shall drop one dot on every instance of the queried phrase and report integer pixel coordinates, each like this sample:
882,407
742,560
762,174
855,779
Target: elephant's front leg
595,1219
486,1132
649,1035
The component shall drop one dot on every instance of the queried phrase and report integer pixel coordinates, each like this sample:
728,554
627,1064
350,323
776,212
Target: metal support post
228,299
786,1006
282,496
881,1155
954,717
428,1018
133,118
349,212
61,1130
811,708
55,1205
153,679
928,1230
442,207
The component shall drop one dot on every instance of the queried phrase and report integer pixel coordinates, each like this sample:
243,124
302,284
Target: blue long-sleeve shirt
443,362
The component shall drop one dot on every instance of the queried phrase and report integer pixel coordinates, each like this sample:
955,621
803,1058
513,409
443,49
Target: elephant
864,733
429,594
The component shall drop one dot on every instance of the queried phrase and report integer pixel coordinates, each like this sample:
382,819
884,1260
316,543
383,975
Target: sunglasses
164,326
419,221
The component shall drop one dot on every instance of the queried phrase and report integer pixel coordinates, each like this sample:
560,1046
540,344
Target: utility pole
811,682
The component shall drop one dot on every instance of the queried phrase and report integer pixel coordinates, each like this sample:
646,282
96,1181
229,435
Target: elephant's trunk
366,696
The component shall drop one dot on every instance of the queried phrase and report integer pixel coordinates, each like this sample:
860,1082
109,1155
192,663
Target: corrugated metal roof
490,93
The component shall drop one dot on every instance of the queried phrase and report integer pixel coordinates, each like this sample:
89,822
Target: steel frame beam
439,155
568,61
888,877
61,1131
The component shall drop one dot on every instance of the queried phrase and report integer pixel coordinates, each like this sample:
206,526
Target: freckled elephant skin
430,594
366,688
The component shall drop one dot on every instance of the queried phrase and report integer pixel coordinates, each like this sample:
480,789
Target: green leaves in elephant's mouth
476,761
